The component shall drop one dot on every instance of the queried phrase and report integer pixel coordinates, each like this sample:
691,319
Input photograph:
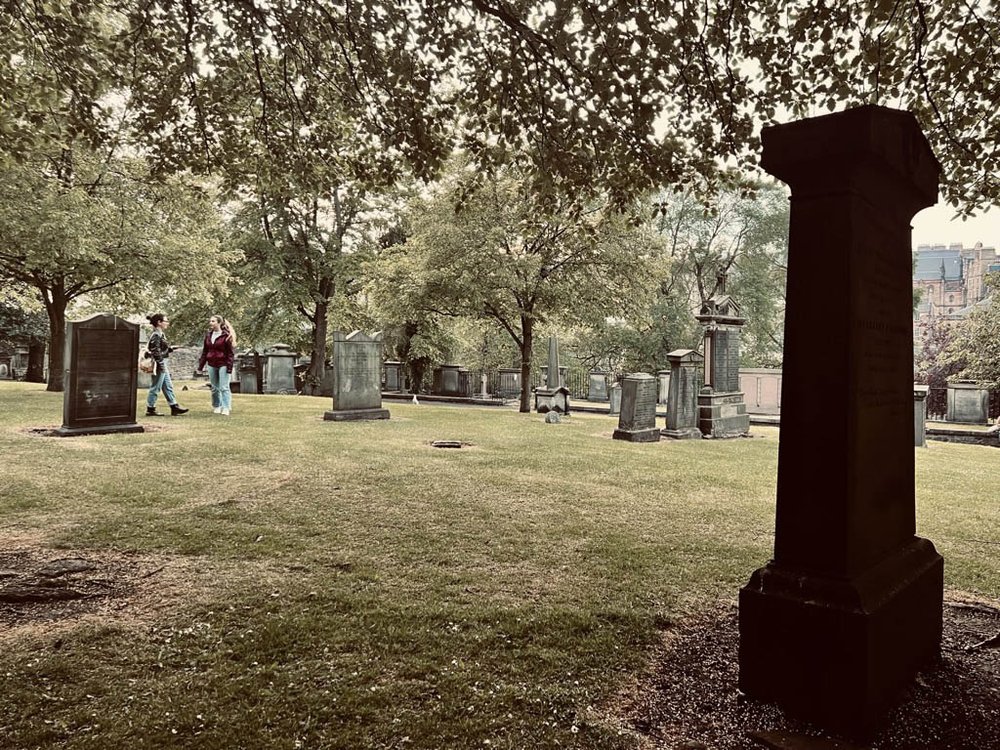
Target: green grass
345,585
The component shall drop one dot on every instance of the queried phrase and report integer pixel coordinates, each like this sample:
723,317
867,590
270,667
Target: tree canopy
594,95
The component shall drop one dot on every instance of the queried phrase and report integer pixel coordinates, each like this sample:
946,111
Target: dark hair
155,319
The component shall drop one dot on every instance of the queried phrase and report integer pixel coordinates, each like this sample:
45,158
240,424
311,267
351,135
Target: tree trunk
36,360
527,324
313,384
56,309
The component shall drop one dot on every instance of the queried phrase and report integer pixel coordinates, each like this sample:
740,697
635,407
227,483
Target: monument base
838,652
686,433
722,415
554,400
355,415
652,435
108,429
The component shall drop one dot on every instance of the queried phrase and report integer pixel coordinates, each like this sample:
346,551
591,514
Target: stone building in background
952,280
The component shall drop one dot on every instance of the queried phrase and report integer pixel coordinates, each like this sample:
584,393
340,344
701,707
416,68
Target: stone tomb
968,402
279,369
395,376
101,356
637,421
682,401
357,377
849,608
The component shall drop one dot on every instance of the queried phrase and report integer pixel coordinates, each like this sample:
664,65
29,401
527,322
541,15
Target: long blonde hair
227,327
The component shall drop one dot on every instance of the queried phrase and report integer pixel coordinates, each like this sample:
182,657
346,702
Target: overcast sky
934,226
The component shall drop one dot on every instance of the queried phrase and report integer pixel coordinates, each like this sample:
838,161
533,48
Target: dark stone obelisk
850,607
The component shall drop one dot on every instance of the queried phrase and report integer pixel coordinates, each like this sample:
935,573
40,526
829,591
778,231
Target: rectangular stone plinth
688,433
651,435
556,400
722,415
354,415
839,652
108,429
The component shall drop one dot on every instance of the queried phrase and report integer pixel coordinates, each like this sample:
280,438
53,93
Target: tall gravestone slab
510,382
597,385
663,392
447,381
101,357
615,399
682,400
637,421
850,607
722,412
395,376
357,377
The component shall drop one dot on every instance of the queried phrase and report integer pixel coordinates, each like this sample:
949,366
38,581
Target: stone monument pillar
722,413
357,377
849,608
920,415
637,421
682,400
101,359
554,396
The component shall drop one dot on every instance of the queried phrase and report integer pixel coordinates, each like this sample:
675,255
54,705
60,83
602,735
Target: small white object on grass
415,399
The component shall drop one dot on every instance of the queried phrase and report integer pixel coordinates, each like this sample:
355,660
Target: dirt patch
689,698
51,430
44,590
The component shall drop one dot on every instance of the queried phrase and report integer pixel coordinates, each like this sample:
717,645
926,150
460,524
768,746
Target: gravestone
279,369
554,396
101,356
615,399
395,376
597,385
447,381
510,382
968,402
920,415
637,421
836,625
682,402
357,377
250,368
722,413
663,389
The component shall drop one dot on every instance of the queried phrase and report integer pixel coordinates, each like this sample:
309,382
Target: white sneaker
225,412
217,410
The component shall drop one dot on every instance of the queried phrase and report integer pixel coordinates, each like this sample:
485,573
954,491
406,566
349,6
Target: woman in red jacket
218,352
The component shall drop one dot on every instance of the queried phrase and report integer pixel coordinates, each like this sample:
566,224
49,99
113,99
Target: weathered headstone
615,399
597,385
722,413
279,369
101,356
663,389
637,421
968,402
357,377
250,368
447,381
920,415
395,376
850,607
682,402
554,396
510,382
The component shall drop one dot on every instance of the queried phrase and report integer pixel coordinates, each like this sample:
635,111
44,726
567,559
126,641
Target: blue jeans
161,381
218,378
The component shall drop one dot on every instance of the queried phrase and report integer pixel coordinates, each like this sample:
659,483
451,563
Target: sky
934,226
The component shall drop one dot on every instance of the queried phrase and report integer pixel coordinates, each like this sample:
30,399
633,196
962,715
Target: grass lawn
284,582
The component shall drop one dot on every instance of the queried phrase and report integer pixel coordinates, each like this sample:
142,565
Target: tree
77,225
596,96
974,350
498,258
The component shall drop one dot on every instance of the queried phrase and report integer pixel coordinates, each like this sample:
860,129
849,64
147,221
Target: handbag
146,363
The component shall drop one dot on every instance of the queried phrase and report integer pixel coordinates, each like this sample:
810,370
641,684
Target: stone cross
835,626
